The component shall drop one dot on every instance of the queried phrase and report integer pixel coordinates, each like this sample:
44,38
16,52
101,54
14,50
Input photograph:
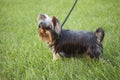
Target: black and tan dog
68,43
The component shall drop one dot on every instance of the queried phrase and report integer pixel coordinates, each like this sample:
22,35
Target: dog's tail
100,35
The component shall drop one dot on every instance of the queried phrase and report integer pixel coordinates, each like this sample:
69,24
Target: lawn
23,56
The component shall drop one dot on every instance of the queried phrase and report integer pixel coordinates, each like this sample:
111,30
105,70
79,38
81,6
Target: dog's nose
43,24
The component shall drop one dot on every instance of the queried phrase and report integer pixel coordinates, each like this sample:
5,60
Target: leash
69,13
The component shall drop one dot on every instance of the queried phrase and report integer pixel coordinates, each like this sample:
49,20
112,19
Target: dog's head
48,28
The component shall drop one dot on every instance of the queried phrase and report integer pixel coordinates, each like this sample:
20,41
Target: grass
24,57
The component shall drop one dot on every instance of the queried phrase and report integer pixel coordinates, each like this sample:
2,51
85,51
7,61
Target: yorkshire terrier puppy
68,43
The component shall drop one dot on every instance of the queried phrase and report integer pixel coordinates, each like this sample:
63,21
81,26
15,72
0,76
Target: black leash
69,13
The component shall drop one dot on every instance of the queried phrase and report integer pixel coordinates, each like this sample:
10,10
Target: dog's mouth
45,35
43,32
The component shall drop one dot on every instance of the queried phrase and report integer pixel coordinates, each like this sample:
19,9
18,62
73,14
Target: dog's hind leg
90,52
98,51
94,52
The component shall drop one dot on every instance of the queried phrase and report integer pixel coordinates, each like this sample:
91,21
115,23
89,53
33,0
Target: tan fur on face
45,35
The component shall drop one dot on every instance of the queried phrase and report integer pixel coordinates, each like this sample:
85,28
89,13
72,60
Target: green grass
23,56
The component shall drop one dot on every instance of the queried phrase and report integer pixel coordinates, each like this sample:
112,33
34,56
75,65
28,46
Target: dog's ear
42,16
56,24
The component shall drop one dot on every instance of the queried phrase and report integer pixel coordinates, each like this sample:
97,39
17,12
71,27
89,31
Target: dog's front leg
55,56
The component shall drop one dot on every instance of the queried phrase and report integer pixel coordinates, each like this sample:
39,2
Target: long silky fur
74,43
68,43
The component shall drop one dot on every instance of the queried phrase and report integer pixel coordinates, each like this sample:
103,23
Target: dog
69,43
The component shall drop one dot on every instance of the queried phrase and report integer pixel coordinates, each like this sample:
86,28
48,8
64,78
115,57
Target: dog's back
73,43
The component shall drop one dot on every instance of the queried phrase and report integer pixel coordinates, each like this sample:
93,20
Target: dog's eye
48,28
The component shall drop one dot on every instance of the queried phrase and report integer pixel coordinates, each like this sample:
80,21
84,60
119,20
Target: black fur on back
74,43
